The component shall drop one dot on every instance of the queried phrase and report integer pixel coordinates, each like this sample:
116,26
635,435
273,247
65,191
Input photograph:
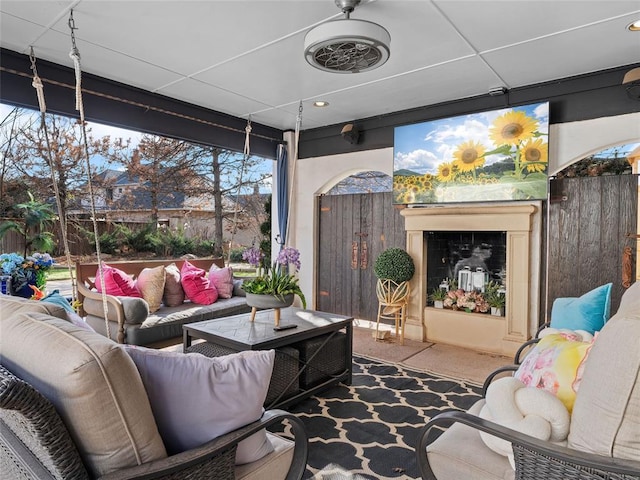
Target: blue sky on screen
421,147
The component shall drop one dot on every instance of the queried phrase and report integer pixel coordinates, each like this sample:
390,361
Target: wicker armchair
534,459
604,429
35,444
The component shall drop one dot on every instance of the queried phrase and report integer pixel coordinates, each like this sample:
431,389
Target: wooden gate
591,221
353,231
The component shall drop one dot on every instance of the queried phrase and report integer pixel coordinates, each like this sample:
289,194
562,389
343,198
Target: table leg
186,341
348,364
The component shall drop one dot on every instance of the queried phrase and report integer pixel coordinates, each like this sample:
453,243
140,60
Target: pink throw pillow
196,285
222,278
116,282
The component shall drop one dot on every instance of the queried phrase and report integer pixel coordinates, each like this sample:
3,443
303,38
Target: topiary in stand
394,264
394,268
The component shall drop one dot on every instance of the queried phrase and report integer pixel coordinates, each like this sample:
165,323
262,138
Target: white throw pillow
195,398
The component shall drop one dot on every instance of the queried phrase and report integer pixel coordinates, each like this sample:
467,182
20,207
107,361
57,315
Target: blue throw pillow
57,299
589,312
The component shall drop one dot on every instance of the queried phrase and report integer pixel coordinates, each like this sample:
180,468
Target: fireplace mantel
501,335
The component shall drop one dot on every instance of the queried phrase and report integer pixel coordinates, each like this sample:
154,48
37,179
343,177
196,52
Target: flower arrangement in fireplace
471,302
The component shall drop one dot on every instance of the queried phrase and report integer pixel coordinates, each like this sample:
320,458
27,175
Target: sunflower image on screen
489,156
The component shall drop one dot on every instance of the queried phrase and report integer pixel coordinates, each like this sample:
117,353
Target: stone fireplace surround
522,222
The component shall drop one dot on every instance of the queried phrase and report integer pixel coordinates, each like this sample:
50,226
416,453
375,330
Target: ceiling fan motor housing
347,45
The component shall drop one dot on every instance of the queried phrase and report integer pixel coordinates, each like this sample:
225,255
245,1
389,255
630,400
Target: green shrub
236,255
394,264
203,248
108,242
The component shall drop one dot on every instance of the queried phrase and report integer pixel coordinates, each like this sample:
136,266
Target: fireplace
507,238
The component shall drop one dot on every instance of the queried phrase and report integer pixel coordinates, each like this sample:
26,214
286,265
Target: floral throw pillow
555,364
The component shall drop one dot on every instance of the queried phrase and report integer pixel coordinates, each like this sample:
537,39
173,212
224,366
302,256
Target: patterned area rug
370,427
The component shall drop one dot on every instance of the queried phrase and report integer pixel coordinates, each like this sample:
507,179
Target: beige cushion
10,305
93,384
630,301
136,310
274,465
173,291
606,415
460,453
150,284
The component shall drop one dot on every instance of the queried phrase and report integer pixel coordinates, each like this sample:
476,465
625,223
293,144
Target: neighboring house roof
138,198
245,201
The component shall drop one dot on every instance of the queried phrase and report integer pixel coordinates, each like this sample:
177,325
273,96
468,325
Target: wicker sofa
604,430
129,318
73,406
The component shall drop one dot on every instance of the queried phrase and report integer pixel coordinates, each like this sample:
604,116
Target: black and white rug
369,428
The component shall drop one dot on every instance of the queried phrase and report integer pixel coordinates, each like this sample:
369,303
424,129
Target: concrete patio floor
445,360
441,359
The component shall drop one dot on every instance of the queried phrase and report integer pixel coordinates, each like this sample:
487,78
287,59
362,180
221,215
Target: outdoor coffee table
309,358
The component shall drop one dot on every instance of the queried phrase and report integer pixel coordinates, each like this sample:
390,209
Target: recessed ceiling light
320,103
635,26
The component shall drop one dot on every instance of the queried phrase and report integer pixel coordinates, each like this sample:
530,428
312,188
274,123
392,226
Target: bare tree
34,152
236,177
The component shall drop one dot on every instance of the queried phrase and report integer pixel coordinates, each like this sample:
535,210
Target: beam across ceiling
119,105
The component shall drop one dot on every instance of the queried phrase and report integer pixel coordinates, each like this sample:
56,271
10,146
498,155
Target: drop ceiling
245,58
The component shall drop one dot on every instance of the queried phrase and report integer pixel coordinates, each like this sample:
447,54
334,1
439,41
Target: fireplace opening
466,260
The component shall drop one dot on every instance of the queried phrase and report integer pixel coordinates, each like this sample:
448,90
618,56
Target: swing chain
73,28
32,58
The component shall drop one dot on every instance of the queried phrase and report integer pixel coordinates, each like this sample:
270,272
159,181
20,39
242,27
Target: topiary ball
394,264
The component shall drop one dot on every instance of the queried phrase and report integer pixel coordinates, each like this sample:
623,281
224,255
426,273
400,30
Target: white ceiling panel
526,63
245,57
489,25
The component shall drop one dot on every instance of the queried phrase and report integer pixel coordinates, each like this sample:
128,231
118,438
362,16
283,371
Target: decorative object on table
25,272
505,158
394,268
276,286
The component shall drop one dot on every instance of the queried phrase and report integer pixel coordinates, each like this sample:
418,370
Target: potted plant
394,264
437,297
22,273
275,286
495,298
394,268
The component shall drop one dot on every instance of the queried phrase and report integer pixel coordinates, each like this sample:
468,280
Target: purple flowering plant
278,280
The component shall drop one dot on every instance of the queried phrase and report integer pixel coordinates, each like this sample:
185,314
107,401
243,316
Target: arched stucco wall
568,142
313,177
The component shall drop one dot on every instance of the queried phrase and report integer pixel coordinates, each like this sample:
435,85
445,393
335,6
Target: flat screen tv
498,155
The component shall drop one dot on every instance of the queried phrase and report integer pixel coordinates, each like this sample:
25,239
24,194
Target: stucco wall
568,142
